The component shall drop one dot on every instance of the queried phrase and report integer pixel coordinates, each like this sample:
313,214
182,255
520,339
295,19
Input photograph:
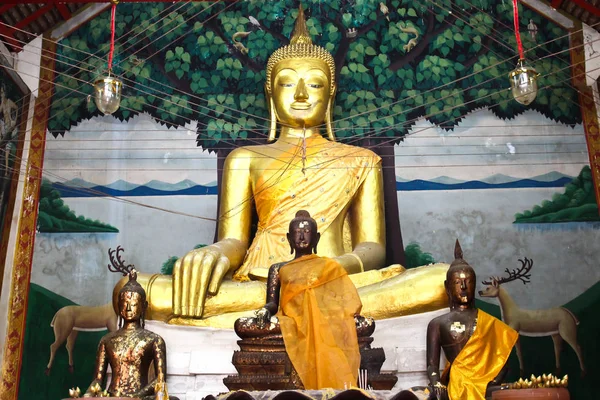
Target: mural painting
11,110
421,84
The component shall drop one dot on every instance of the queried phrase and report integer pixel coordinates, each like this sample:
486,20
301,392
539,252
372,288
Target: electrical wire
436,99
430,166
432,115
374,110
395,138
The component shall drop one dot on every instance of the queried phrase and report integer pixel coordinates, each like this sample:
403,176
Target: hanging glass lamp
107,89
523,79
108,94
523,82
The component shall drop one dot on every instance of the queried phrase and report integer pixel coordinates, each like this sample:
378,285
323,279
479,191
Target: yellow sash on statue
482,358
334,174
317,307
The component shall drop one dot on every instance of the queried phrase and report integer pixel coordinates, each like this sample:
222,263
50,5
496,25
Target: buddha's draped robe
335,173
482,358
316,315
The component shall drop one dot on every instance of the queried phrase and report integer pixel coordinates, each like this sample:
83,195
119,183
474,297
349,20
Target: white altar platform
199,358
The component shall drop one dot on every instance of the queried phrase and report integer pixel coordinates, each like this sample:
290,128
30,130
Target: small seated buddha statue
475,344
340,184
131,349
316,294
306,295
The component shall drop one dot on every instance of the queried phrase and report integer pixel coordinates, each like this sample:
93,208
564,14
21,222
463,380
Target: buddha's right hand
438,392
195,275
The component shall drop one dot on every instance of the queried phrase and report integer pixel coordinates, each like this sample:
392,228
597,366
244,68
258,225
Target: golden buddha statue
130,350
340,185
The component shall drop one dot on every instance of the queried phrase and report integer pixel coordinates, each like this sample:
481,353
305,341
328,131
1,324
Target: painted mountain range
498,181
82,188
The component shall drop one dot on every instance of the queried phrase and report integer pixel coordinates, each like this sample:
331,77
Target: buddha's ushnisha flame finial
300,34
458,253
458,257
301,47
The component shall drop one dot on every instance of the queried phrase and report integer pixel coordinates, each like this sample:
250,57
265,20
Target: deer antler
521,274
118,265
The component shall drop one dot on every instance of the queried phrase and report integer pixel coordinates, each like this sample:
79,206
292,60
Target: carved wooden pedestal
263,364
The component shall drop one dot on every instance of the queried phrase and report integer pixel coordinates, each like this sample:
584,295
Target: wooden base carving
263,364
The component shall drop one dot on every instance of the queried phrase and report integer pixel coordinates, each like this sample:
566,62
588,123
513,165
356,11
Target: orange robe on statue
317,307
482,358
324,191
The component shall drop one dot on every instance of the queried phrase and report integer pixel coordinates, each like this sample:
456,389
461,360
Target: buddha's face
460,286
303,237
131,306
301,92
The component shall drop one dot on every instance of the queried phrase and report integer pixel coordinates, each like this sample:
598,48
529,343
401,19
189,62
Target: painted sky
483,145
104,150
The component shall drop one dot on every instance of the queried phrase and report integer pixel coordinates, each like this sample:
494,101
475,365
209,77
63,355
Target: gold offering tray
527,394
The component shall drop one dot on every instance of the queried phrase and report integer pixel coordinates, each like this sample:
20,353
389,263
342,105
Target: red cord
112,35
517,33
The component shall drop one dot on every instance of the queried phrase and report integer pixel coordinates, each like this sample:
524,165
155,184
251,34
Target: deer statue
559,322
70,320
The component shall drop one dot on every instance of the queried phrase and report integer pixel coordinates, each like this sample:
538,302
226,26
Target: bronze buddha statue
475,344
130,350
309,294
315,293
341,186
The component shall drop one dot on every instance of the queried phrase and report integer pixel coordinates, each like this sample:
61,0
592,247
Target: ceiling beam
33,16
588,7
546,10
6,7
64,11
82,16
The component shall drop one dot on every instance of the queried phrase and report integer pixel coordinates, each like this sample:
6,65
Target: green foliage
42,304
167,267
415,257
206,61
577,203
55,216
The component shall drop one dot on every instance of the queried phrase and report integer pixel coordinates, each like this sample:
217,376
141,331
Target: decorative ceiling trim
553,14
87,13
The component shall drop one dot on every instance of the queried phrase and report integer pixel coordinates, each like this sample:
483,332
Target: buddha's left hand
263,317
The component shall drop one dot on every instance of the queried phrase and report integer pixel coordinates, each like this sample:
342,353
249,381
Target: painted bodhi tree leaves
397,61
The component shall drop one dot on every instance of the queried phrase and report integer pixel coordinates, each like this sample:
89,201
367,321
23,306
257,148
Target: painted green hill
576,204
34,384
538,353
56,216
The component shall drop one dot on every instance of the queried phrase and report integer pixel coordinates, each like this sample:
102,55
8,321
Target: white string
391,127
363,113
318,166
352,115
